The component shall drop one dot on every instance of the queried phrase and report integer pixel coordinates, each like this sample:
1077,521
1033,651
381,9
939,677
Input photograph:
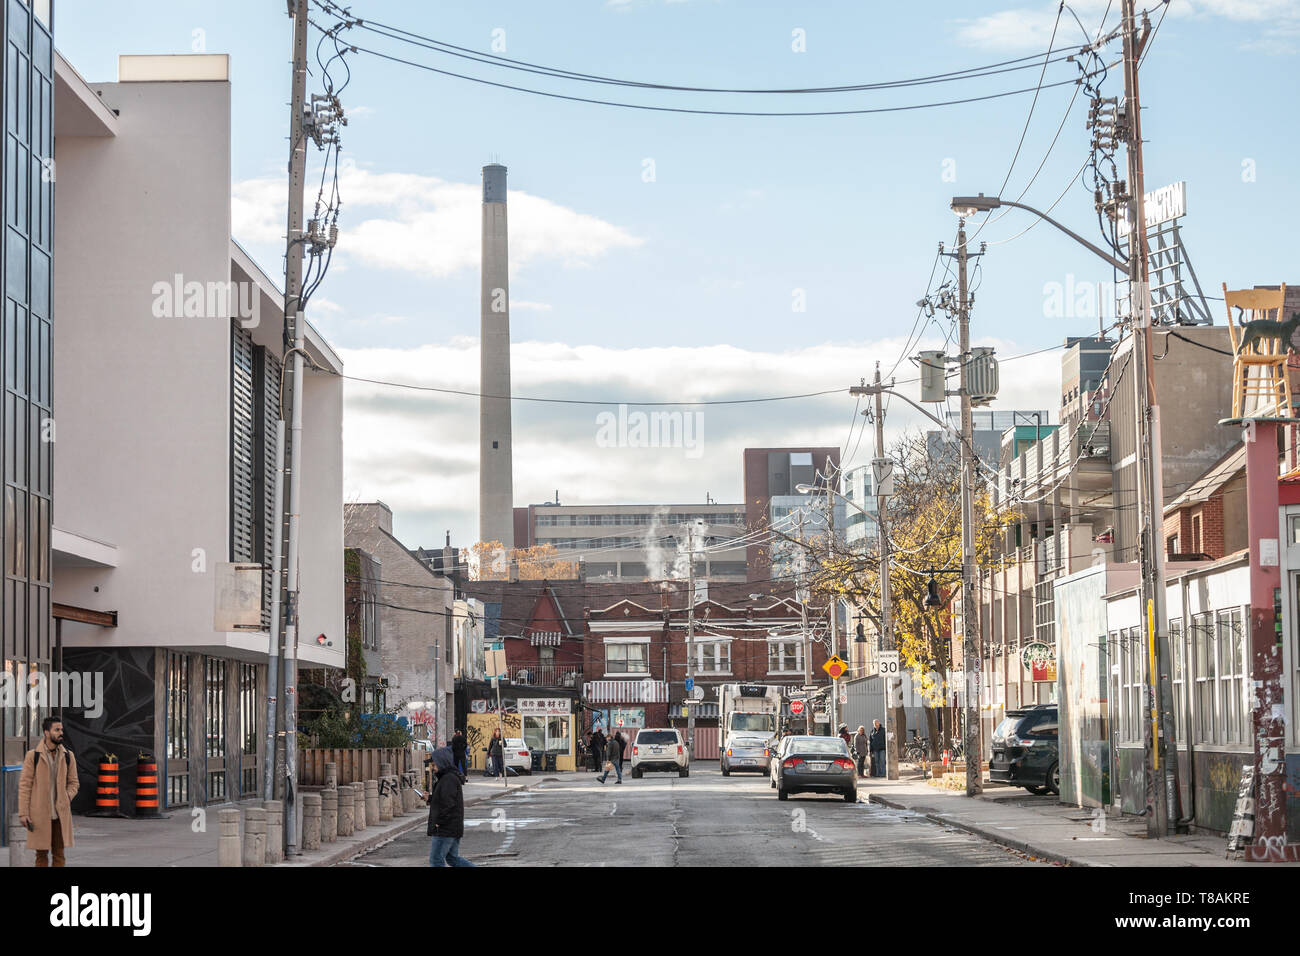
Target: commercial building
640,542
168,358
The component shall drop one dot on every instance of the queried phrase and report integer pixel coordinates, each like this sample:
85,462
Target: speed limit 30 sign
887,663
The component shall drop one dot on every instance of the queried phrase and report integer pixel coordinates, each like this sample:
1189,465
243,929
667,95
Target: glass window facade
26,276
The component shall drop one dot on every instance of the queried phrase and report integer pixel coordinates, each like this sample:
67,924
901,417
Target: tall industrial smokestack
495,469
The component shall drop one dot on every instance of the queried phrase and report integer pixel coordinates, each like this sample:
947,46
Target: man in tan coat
45,791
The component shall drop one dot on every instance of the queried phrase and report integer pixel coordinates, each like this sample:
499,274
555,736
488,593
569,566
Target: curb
993,836
347,853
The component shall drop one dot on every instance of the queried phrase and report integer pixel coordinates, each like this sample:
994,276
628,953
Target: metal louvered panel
270,415
242,447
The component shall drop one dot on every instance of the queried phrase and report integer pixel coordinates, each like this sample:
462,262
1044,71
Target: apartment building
168,353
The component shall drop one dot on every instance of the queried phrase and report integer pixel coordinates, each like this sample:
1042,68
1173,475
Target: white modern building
168,353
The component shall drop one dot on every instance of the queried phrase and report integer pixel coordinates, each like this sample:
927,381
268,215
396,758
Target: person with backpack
446,812
46,786
458,749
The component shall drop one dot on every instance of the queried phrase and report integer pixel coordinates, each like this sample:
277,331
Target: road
701,820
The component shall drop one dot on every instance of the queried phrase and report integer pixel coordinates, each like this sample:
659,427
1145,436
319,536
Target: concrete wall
418,621
141,402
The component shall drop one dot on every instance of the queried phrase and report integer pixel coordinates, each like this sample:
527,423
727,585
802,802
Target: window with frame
1131,686
626,659
714,658
1178,669
1203,674
785,657
1231,658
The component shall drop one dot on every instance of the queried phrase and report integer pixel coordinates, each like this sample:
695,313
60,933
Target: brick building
1208,519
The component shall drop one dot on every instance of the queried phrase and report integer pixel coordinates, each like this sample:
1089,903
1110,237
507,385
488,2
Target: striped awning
544,638
644,691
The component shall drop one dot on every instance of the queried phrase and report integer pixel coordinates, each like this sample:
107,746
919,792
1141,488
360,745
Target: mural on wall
125,721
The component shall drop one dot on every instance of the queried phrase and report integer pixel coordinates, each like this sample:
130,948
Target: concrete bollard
229,852
372,803
329,816
358,807
274,830
254,836
19,855
410,799
385,795
331,776
346,825
310,821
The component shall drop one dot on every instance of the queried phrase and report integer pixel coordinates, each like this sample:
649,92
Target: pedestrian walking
446,812
877,749
597,750
458,749
613,758
620,744
861,746
496,749
46,786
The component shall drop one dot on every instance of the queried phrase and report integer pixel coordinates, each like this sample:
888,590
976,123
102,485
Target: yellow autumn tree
924,516
491,561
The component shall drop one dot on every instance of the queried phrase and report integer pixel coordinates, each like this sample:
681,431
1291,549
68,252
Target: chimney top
494,183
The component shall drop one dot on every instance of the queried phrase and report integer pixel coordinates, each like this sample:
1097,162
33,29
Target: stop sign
796,707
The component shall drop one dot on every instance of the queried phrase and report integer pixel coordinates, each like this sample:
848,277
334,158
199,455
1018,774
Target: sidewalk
174,841
1042,827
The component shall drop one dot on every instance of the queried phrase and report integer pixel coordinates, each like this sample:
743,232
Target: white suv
660,749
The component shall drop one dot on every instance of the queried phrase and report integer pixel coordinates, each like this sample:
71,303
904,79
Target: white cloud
429,226
1026,29
418,451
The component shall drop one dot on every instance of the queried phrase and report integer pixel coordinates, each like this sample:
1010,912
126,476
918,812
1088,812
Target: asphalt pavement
700,820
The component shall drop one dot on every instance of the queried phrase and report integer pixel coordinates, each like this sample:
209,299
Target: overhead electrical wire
439,46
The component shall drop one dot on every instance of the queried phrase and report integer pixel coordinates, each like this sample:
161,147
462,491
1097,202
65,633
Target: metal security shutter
270,414
242,447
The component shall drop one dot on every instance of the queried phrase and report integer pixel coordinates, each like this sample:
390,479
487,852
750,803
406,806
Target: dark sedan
815,765
1026,752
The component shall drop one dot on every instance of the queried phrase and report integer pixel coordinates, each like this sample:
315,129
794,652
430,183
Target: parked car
774,764
815,765
745,753
517,756
1026,751
660,749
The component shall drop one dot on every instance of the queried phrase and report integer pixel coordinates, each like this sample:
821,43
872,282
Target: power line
490,59
707,112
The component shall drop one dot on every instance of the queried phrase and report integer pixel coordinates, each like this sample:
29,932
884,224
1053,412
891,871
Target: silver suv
660,748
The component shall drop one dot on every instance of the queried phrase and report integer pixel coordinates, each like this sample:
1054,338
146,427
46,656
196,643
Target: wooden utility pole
1161,773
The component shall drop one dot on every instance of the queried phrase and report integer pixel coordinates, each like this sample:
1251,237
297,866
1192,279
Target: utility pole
886,605
287,650
970,614
1161,774
834,602
690,645
801,593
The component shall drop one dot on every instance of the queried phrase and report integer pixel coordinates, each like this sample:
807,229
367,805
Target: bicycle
916,750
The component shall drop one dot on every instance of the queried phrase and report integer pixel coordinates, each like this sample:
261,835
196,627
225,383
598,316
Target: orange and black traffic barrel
106,788
146,787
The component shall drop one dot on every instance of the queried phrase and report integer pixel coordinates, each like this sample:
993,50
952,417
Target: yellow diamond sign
835,666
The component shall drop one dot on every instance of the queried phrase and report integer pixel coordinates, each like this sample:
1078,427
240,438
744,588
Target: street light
967,206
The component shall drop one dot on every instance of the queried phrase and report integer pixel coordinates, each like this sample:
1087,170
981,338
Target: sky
672,257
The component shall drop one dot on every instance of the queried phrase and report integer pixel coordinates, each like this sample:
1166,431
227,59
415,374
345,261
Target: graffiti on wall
478,731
